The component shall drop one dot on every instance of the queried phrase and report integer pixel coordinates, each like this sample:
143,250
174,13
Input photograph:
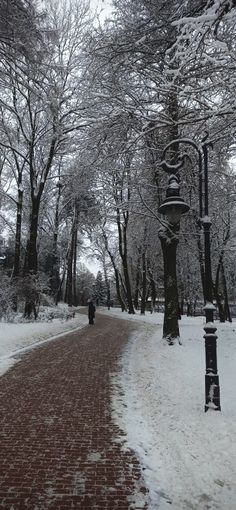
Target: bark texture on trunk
169,241
137,279
153,289
70,295
31,256
116,272
17,251
144,284
122,220
16,267
226,299
201,261
107,283
55,273
31,261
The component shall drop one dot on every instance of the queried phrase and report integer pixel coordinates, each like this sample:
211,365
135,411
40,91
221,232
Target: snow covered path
60,449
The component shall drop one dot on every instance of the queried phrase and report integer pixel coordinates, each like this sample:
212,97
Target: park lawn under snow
17,337
188,456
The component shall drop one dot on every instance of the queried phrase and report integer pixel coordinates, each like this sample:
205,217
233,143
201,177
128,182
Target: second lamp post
173,207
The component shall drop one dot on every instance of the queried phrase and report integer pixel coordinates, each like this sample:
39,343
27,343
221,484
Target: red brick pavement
60,449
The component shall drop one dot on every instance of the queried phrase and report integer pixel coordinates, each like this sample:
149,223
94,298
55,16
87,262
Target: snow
209,306
206,220
16,338
188,456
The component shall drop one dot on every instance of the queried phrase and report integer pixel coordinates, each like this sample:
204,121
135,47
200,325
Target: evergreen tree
100,289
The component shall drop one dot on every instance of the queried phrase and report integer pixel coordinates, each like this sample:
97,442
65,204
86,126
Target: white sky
104,7
92,264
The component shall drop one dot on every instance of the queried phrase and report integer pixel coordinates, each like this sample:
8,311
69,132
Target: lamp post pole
212,387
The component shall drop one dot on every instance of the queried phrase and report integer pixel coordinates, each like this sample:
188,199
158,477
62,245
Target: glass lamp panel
173,214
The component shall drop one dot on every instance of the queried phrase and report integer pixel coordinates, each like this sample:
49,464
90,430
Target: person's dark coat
91,312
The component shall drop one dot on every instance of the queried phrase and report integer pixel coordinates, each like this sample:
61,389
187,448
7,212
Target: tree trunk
170,237
127,285
71,262
16,267
107,283
117,279
189,309
226,301
173,131
224,311
201,263
17,252
136,292
153,290
123,250
118,292
218,299
60,290
124,258
169,242
217,292
68,292
74,290
144,284
55,274
31,257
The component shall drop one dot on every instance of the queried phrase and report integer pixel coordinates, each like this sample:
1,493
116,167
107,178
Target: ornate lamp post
172,207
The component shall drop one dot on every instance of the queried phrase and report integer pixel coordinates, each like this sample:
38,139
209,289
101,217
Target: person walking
91,311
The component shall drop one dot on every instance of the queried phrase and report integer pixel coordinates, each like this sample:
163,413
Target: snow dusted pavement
60,449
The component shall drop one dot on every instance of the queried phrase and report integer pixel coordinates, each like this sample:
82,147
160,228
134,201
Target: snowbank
188,456
14,338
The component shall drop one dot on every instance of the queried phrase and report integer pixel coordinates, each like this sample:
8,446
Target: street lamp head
173,206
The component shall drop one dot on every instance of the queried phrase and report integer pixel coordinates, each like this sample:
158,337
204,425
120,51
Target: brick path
59,448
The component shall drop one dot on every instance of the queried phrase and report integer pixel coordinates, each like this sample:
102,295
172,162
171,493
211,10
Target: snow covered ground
15,338
188,456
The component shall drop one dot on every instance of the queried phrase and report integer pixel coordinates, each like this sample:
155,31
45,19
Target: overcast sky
104,7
